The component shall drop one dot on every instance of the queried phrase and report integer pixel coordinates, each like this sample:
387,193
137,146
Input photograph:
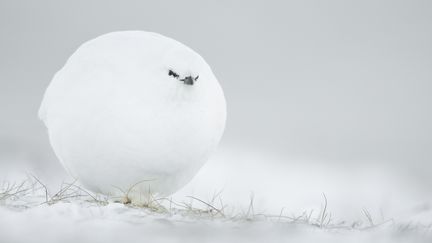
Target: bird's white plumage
120,124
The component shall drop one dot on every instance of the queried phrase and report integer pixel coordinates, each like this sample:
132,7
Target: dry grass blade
209,205
323,215
14,191
369,217
95,199
44,187
251,210
136,184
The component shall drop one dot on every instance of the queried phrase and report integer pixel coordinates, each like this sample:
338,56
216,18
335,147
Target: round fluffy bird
134,113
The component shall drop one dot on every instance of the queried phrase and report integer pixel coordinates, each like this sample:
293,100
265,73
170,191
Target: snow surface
284,193
69,222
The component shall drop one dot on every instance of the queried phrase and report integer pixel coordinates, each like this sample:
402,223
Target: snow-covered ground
239,196
71,222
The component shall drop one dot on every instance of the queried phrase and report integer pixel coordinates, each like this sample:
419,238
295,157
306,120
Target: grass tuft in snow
33,193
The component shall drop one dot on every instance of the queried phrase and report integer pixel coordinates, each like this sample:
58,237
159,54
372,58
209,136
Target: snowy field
330,101
269,202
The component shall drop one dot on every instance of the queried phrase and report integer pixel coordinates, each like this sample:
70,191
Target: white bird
134,113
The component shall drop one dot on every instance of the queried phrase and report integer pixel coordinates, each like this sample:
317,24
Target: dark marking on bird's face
189,80
172,73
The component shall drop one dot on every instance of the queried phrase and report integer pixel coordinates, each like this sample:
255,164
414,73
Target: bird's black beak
188,80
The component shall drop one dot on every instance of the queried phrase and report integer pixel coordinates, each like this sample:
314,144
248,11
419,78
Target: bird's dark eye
172,73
